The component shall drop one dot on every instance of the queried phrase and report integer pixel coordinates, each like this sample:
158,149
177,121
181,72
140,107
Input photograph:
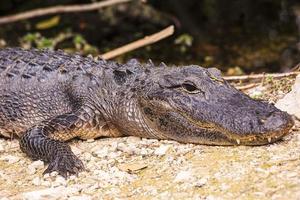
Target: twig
259,76
246,87
139,43
59,9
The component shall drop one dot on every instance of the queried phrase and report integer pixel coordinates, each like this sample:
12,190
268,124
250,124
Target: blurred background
239,37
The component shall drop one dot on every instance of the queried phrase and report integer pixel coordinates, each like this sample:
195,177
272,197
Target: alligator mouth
186,129
224,137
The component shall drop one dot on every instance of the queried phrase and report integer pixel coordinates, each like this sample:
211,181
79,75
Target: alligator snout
267,128
277,124
276,121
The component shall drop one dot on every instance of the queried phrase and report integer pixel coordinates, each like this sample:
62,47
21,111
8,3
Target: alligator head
196,105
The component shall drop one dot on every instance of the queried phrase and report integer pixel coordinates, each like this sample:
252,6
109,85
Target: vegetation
237,36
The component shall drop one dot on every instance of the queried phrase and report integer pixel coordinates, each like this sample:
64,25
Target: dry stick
246,87
139,43
59,9
258,76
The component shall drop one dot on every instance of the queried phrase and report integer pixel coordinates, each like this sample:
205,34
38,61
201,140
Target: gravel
135,168
131,168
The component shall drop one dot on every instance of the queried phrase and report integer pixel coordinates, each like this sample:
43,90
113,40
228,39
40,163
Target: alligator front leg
45,142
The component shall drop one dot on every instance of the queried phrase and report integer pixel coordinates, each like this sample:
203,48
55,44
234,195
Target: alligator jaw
227,138
258,138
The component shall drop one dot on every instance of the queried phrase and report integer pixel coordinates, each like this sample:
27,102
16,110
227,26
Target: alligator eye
190,87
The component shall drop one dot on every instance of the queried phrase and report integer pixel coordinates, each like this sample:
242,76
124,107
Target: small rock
87,156
101,153
126,149
161,150
36,181
211,197
183,176
76,150
256,92
11,159
113,146
2,149
201,182
54,173
102,174
144,152
82,197
46,176
34,166
72,177
46,183
59,181
38,164
31,170
49,193
132,139
291,101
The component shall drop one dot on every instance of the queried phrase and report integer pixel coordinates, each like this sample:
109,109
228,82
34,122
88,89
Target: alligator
49,97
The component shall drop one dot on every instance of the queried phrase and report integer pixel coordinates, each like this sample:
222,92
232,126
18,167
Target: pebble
144,151
132,139
101,153
54,173
82,197
49,193
38,164
87,156
201,182
183,176
127,148
46,183
2,149
31,169
36,181
161,150
46,176
10,159
61,180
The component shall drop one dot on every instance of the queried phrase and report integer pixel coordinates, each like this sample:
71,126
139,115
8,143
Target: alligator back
35,86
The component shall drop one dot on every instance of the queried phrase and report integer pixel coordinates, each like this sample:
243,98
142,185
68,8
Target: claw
65,165
238,141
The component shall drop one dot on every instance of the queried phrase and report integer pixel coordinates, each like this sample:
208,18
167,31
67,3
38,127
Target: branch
139,43
246,87
59,9
259,76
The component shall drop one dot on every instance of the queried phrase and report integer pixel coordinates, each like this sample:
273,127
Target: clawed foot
65,165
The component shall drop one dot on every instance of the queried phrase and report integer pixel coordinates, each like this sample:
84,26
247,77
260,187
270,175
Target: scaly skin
47,98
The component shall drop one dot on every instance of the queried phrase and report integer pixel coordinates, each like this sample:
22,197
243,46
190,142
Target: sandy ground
134,168
131,168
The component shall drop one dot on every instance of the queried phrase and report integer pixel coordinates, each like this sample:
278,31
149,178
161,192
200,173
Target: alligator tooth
269,139
238,141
